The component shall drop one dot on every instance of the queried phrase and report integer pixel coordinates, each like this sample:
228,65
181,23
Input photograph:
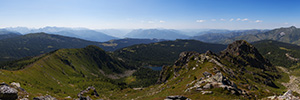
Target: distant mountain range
34,44
206,35
81,33
287,35
216,36
119,33
156,33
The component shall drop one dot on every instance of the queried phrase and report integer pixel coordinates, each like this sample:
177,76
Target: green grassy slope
66,72
276,52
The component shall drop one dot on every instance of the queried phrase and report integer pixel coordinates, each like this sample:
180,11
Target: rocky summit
240,71
242,53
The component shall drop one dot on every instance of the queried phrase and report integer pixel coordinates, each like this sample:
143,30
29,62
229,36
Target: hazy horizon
150,14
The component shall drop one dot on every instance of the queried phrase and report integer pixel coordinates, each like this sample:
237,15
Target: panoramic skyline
133,14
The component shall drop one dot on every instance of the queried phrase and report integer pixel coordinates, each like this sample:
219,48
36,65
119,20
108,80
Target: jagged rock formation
242,53
240,70
216,81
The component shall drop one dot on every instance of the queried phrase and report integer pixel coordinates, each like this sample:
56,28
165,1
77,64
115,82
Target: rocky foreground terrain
14,91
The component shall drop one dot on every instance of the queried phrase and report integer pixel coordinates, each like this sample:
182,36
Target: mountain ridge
82,33
65,72
287,35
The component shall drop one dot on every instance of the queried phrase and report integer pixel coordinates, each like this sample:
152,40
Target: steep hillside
279,53
287,35
156,33
66,72
163,53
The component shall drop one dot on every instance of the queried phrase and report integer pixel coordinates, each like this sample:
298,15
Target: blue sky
133,14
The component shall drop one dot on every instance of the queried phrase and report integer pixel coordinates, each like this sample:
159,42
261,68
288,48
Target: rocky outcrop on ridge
233,70
216,81
90,91
286,96
242,53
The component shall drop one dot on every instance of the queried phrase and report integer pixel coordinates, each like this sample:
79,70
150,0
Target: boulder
47,97
206,92
176,97
15,84
8,93
24,99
